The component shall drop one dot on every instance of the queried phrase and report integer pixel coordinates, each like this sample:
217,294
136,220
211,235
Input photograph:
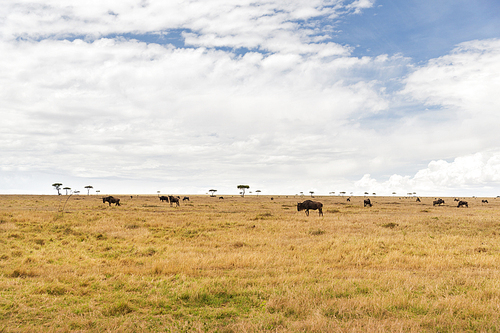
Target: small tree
88,187
158,193
67,188
258,191
312,192
366,193
332,193
57,186
212,192
97,191
243,188
342,193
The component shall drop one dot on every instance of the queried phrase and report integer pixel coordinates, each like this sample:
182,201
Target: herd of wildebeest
306,205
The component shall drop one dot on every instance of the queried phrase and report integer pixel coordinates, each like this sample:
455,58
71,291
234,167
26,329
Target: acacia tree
67,188
243,188
258,191
88,187
312,192
57,186
212,192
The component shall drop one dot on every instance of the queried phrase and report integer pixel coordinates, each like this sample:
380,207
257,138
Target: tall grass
248,264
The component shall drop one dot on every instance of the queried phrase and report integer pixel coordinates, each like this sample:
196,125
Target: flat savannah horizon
249,264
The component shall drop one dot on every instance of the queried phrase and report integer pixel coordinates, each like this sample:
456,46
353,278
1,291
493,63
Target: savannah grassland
248,265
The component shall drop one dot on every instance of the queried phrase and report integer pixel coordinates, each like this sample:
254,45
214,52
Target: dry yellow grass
248,265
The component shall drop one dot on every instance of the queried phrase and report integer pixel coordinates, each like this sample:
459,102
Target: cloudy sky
183,96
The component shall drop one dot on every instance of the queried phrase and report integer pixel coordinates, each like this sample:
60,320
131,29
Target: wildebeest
462,203
348,199
438,202
221,197
163,198
173,199
367,202
456,199
484,201
418,200
185,198
111,200
309,204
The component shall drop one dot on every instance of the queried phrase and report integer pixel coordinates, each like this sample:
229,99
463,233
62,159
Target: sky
286,96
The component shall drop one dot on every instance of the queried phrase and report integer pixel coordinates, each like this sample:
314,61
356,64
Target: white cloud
359,5
276,26
470,174
102,108
464,80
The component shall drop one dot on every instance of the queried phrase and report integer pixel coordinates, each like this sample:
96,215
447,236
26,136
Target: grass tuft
316,232
119,309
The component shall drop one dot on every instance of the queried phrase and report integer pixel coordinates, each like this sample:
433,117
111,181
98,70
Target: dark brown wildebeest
462,203
456,199
221,197
111,200
348,199
418,200
163,198
484,201
173,199
438,202
367,202
185,198
309,204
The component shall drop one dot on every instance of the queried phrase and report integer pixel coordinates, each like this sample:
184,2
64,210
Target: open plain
248,264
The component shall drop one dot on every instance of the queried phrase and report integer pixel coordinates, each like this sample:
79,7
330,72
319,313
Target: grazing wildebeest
272,198
348,199
367,202
163,198
456,199
221,197
173,199
185,198
418,200
484,201
438,202
111,200
462,203
309,204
